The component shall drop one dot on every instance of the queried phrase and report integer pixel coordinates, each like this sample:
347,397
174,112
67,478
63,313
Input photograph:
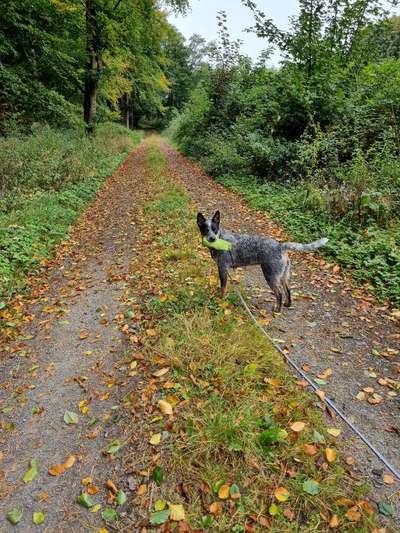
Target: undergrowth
46,179
372,254
234,400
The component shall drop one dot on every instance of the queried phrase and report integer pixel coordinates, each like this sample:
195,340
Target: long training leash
325,400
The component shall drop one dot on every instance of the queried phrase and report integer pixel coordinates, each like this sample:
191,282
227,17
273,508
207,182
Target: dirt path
80,337
73,352
330,326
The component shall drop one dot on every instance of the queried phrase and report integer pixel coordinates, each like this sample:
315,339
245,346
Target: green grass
47,178
371,254
234,398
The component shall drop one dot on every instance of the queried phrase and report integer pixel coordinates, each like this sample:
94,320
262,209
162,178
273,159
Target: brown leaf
110,485
216,508
353,514
309,449
142,489
334,522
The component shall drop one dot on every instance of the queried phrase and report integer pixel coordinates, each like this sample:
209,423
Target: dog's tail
304,247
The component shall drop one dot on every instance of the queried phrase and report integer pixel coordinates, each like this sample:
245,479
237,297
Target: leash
325,400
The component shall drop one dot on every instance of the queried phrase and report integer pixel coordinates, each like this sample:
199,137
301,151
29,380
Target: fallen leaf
165,407
330,454
216,508
273,509
234,492
311,487
161,372
87,481
282,494
335,432
177,512
110,515
223,491
309,449
85,500
38,518
114,447
110,485
71,418
155,439
32,473
345,502
159,517
334,522
386,509
121,497
14,516
325,374
388,479
142,489
353,514
158,475
297,427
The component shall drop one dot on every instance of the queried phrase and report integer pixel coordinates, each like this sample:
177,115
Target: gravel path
72,351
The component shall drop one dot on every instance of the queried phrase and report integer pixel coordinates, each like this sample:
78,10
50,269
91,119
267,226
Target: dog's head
209,227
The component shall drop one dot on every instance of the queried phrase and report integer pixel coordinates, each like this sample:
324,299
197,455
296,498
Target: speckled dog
247,250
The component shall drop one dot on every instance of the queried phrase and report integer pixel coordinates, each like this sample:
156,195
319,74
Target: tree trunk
90,96
93,65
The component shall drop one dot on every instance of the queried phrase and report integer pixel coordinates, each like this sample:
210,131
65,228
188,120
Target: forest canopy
110,56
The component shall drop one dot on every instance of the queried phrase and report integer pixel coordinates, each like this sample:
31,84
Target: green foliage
121,54
317,141
47,179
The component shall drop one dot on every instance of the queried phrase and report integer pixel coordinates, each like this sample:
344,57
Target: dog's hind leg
275,283
285,284
223,277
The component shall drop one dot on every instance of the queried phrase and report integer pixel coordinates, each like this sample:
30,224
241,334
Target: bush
46,180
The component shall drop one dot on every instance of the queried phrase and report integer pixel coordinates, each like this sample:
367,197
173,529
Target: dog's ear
200,219
217,217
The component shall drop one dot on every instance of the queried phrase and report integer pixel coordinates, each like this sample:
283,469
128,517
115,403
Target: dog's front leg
223,277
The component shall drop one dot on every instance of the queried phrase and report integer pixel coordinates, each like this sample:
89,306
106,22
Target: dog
247,250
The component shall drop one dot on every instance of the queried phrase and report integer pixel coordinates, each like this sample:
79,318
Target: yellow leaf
282,494
388,479
330,455
165,407
155,439
151,332
177,512
297,427
223,491
86,481
335,432
70,461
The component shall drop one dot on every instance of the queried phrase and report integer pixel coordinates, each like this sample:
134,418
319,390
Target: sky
202,19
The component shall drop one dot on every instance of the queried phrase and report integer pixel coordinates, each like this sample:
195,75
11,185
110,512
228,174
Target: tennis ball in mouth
219,244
